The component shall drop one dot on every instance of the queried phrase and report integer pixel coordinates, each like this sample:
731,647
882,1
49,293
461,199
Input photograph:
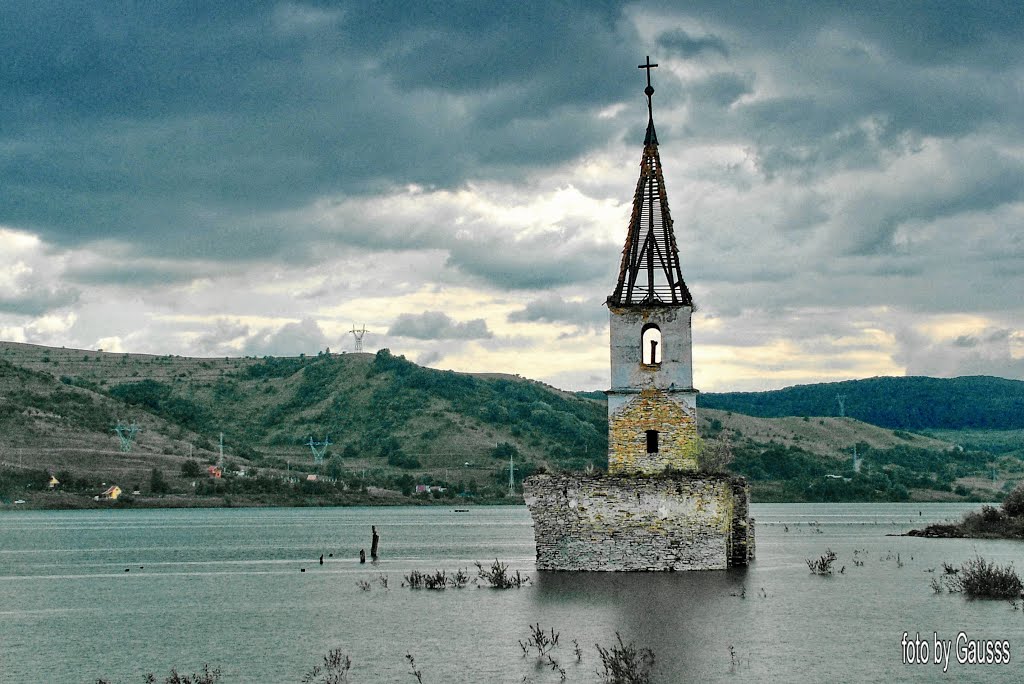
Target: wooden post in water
362,555
373,545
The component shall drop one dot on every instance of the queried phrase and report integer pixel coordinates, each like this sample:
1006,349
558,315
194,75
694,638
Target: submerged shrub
334,670
822,565
979,578
498,577
437,580
625,663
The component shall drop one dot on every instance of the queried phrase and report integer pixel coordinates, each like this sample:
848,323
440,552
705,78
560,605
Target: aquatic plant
334,670
979,578
539,641
498,576
625,663
208,676
437,580
418,674
822,565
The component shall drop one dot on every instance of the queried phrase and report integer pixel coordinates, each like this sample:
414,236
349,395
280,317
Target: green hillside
392,422
906,403
394,425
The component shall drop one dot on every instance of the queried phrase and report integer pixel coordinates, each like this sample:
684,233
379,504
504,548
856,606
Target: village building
654,509
110,493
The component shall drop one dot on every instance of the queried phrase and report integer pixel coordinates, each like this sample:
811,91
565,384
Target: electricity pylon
319,448
358,334
126,433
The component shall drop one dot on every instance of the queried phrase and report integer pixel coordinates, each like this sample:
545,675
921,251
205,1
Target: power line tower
319,448
841,398
126,433
358,334
511,477
856,460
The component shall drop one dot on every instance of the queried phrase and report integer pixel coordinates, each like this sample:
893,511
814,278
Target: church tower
675,517
652,405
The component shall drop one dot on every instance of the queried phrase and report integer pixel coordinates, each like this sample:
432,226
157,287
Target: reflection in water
675,614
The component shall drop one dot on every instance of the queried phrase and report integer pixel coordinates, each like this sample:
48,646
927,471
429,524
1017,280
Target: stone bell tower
653,510
652,405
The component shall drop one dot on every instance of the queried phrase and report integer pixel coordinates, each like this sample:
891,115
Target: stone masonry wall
684,522
652,409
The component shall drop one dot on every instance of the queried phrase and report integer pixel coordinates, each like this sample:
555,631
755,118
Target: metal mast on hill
319,448
841,399
511,478
358,334
126,433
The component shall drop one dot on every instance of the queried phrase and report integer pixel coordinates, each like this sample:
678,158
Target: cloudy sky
846,181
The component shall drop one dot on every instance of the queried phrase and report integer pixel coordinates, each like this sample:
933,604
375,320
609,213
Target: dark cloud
683,44
721,89
547,260
553,309
36,301
986,352
177,129
436,325
137,274
291,339
965,341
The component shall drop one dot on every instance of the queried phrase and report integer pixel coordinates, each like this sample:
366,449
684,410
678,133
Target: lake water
225,587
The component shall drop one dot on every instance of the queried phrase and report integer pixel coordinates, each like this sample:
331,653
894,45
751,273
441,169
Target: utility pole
220,461
511,477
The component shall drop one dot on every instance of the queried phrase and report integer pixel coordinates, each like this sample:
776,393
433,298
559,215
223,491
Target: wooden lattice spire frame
650,274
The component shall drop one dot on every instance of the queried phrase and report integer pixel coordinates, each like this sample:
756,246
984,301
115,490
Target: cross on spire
648,66
649,90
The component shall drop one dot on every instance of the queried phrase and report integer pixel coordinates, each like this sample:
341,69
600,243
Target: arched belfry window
650,345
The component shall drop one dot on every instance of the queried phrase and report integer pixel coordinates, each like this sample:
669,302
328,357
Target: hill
905,403
392,422
393,425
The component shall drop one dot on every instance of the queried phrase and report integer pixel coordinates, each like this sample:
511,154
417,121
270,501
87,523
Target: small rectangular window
652,441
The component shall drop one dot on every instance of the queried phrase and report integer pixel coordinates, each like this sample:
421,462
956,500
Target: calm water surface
225,587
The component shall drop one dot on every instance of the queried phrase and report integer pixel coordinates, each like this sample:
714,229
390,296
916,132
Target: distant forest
907,403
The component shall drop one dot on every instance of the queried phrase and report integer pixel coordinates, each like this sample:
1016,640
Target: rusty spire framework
650,274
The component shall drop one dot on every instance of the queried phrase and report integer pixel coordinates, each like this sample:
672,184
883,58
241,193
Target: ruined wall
652,409
685,522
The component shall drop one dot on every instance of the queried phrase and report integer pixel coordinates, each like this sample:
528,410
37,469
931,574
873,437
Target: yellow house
53,482
111,493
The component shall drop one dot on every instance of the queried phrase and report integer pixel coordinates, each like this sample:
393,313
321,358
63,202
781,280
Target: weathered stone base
682,521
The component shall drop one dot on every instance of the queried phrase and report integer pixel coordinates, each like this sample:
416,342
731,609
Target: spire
650,273
652,137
